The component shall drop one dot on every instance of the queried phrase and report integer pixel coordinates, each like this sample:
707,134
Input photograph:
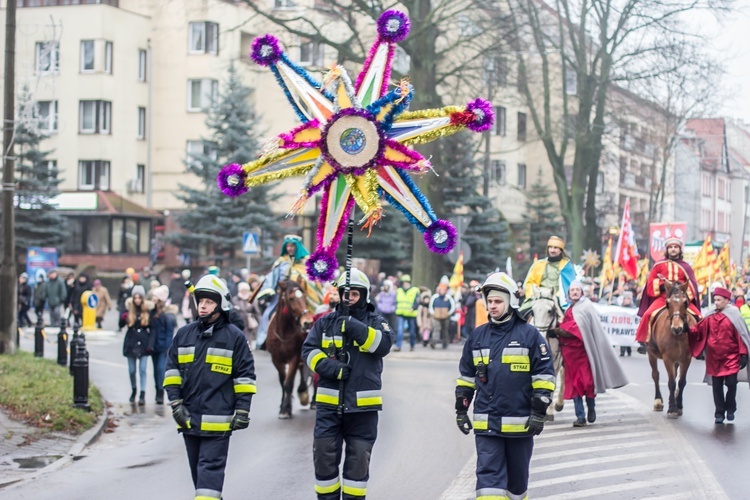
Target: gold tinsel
276,176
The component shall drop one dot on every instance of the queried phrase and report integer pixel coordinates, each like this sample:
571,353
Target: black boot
132,395
142,399
160,397
591,415
642,348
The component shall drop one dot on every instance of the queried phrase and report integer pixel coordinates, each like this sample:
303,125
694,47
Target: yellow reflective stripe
215,426
244,385
369,398
483,359
219,360
492,497
513,424
172,381
466,382
481,421
372,336
327,396
323,489
314,360
354,488
186,358
207,494
203,497
515,359
543,384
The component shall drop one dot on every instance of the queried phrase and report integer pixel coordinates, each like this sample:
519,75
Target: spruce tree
542,217
213,221
37,220
488,234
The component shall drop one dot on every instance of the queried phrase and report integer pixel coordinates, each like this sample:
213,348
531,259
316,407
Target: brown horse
286,333
670,343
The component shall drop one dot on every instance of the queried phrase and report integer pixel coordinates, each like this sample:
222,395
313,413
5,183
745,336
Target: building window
108,55
47,57
521,176
705,219
139,183
706,186
141,123
47,116
283,4
131,236
204,38
201,93
95,117
93,175
310,53
497,172
199,151
499,120
521,126
720,191
74,238
571,81
141,65
87,55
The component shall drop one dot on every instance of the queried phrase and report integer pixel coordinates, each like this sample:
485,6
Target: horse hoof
679,412
285,416
559,407
673,414
658,405
304,398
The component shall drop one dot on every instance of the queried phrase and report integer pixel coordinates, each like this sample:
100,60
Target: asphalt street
630,452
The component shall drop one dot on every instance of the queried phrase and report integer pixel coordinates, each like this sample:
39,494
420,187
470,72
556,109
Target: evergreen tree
542,217
488,234
212,222
37,220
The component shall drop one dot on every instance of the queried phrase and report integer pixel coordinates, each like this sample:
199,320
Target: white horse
546,315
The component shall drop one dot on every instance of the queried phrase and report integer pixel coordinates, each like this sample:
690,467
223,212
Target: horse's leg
285,395
559,374
304,397
671,367
684,365
658,402
291,373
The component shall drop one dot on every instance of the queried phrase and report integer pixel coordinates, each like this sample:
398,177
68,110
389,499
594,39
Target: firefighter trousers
207,457
503,466
358,431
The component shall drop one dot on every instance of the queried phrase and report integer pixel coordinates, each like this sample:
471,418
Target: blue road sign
250,243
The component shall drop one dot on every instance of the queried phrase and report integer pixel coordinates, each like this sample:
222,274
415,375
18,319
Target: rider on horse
289,266
555,272
671,268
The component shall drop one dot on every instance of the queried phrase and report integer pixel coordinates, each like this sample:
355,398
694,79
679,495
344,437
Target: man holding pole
346,348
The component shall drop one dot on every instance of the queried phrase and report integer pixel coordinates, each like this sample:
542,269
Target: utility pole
8,279
490,76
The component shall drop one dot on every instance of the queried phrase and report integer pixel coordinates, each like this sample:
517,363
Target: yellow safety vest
405,302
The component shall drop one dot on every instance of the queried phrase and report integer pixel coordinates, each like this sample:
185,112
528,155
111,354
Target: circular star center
351,141
440,236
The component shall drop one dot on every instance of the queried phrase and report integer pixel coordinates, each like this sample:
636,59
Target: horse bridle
679,314
295,317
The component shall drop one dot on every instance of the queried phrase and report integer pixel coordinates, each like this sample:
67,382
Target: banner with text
619,323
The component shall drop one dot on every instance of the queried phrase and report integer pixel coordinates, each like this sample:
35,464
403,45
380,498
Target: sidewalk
27,452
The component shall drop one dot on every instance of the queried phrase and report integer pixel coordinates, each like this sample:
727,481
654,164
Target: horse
286,332
546,315
670,343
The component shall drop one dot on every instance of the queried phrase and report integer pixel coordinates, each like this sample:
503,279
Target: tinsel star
354,144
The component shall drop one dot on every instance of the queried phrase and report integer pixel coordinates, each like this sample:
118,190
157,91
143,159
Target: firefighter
210,381
507,363
346,351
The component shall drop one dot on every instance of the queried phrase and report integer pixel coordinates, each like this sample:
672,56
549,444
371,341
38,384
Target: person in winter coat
249,312
40,297
176,288
506,368
442,307
591,366
385,303
724,336
70,285
24,300
162,329
82,284
104,303
210,381
424,318
56,296
139,342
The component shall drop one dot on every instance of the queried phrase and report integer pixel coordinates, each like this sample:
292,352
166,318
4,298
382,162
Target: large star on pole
354,144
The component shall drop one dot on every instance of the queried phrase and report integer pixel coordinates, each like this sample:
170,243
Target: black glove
355,329
535,423
343,371
180,414
240,420
552,333
464,424
462,404
743,361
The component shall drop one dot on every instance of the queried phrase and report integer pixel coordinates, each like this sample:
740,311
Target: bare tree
591,44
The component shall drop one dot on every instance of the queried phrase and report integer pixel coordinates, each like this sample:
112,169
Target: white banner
619,323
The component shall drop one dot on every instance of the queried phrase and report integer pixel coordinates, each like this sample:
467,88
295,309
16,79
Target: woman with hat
138,342
162,329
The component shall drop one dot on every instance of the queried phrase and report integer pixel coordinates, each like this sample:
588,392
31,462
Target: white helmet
503,283
214,288
358,280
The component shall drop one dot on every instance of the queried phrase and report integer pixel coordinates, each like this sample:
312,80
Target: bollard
80,366
73,345
62,345
39,339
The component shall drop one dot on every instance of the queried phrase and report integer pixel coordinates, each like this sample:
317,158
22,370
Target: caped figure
555,272
346,351
210,382
724,336
676,270
507,365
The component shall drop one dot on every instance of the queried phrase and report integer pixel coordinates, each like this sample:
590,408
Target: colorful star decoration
354,144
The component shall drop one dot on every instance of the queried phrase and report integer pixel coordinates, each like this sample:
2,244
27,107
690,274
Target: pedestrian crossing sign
250,243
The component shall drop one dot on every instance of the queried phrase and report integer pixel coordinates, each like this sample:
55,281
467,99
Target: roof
709,139
101,203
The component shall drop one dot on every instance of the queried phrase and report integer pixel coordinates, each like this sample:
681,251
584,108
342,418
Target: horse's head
544,309
292,298
677,306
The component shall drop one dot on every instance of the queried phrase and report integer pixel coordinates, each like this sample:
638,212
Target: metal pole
8,280
247,263
345,305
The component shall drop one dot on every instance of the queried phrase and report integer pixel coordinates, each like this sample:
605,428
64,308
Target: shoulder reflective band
172,377
314,358
466,382
219,356
186,354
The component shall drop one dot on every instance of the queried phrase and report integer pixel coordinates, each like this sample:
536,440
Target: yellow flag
723,259
705,265
608,269
642,272
458,273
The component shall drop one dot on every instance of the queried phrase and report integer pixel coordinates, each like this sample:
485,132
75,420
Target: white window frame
315,52
142,65
83,106
284,4
108,57
85,44
50,49
209,91
102,117
522,174
99,172
205,148
208,43
499,172
141,123
47,123
105,117
140,178
500,115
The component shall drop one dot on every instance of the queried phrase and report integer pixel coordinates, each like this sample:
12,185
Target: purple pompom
266,50
231,180
321,265
393,26
440,237
483,113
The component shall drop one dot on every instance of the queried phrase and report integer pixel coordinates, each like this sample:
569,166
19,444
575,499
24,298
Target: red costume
579,380
653,300
724,344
